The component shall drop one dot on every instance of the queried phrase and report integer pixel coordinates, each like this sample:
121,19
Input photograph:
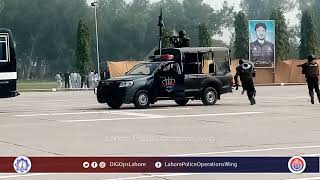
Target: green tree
262,9
282,35
241,43
309,37
83,52
205,39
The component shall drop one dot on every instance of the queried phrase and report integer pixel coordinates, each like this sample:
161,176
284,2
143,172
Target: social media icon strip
22,164
297,165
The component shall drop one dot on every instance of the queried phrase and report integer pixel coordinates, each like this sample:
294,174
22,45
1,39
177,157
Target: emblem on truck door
168,83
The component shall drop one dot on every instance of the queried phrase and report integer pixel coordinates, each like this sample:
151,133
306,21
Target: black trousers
313,84
248,85
66,83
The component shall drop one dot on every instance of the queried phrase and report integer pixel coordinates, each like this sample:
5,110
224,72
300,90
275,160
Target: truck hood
128,78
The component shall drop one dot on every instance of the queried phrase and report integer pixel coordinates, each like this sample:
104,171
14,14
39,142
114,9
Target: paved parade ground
283,123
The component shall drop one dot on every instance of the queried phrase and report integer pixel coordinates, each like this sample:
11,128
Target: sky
291,17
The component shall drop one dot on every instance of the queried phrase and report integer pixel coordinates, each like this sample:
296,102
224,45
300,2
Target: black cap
260,24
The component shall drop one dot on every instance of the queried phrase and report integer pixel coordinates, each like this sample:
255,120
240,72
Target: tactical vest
311,70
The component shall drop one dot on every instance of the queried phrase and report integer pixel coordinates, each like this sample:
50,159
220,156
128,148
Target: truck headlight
126,84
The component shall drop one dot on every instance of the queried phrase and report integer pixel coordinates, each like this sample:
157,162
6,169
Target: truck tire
209,96
142,99
182,102
114,104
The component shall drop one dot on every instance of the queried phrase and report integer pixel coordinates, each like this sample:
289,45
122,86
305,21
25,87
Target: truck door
170,81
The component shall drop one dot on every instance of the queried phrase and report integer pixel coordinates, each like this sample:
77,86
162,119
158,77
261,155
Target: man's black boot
312,99
252,101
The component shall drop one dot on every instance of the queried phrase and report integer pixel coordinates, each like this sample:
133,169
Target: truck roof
201,49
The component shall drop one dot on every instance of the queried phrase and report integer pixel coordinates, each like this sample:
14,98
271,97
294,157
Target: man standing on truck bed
246,71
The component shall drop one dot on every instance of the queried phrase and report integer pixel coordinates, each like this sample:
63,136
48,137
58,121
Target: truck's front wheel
141,99
209,96
114,104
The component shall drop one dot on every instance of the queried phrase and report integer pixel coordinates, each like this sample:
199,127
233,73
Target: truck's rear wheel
114,104
141,99
209,96
182,102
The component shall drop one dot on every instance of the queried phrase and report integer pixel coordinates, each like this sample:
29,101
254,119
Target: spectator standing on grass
67,80
59,80
78,80
90,79
96,79
73,80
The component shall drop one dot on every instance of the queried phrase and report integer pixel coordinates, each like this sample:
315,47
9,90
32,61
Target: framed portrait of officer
262,43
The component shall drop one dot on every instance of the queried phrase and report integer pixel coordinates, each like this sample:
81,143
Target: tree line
46,31
287,46
59,35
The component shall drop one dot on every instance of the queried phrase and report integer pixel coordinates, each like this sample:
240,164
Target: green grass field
34,84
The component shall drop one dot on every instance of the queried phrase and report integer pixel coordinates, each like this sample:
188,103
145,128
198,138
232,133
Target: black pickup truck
178,74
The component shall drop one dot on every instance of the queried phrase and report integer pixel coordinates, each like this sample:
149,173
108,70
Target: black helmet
182,33
241,61
311,57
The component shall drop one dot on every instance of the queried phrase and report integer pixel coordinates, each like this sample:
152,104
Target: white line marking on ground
20,176
161,117
249,150
61,114
311,178
266,97
120,112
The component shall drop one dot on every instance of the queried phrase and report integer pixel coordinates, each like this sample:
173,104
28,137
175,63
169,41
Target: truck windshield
143,69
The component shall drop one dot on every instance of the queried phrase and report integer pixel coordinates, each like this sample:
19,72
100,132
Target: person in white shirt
59,80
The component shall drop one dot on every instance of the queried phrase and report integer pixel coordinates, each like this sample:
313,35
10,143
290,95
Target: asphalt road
283,123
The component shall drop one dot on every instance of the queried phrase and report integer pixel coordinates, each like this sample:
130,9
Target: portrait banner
262,43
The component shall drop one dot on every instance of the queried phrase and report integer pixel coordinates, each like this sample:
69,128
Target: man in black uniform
66,80
311,72
246,71
181,41
261,50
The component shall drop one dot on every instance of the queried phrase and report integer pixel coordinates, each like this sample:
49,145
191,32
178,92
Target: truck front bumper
112,93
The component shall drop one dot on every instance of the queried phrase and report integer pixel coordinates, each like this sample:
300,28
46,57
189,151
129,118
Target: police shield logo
22,164
297,165
169,84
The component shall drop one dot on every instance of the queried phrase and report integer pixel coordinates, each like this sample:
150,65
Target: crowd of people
76,80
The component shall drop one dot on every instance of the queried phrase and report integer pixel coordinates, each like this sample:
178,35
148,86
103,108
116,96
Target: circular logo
102,165
94,165
86,165
158,165
297,164
22,164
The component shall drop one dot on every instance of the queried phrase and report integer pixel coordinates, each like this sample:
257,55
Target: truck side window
4,48
172,68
